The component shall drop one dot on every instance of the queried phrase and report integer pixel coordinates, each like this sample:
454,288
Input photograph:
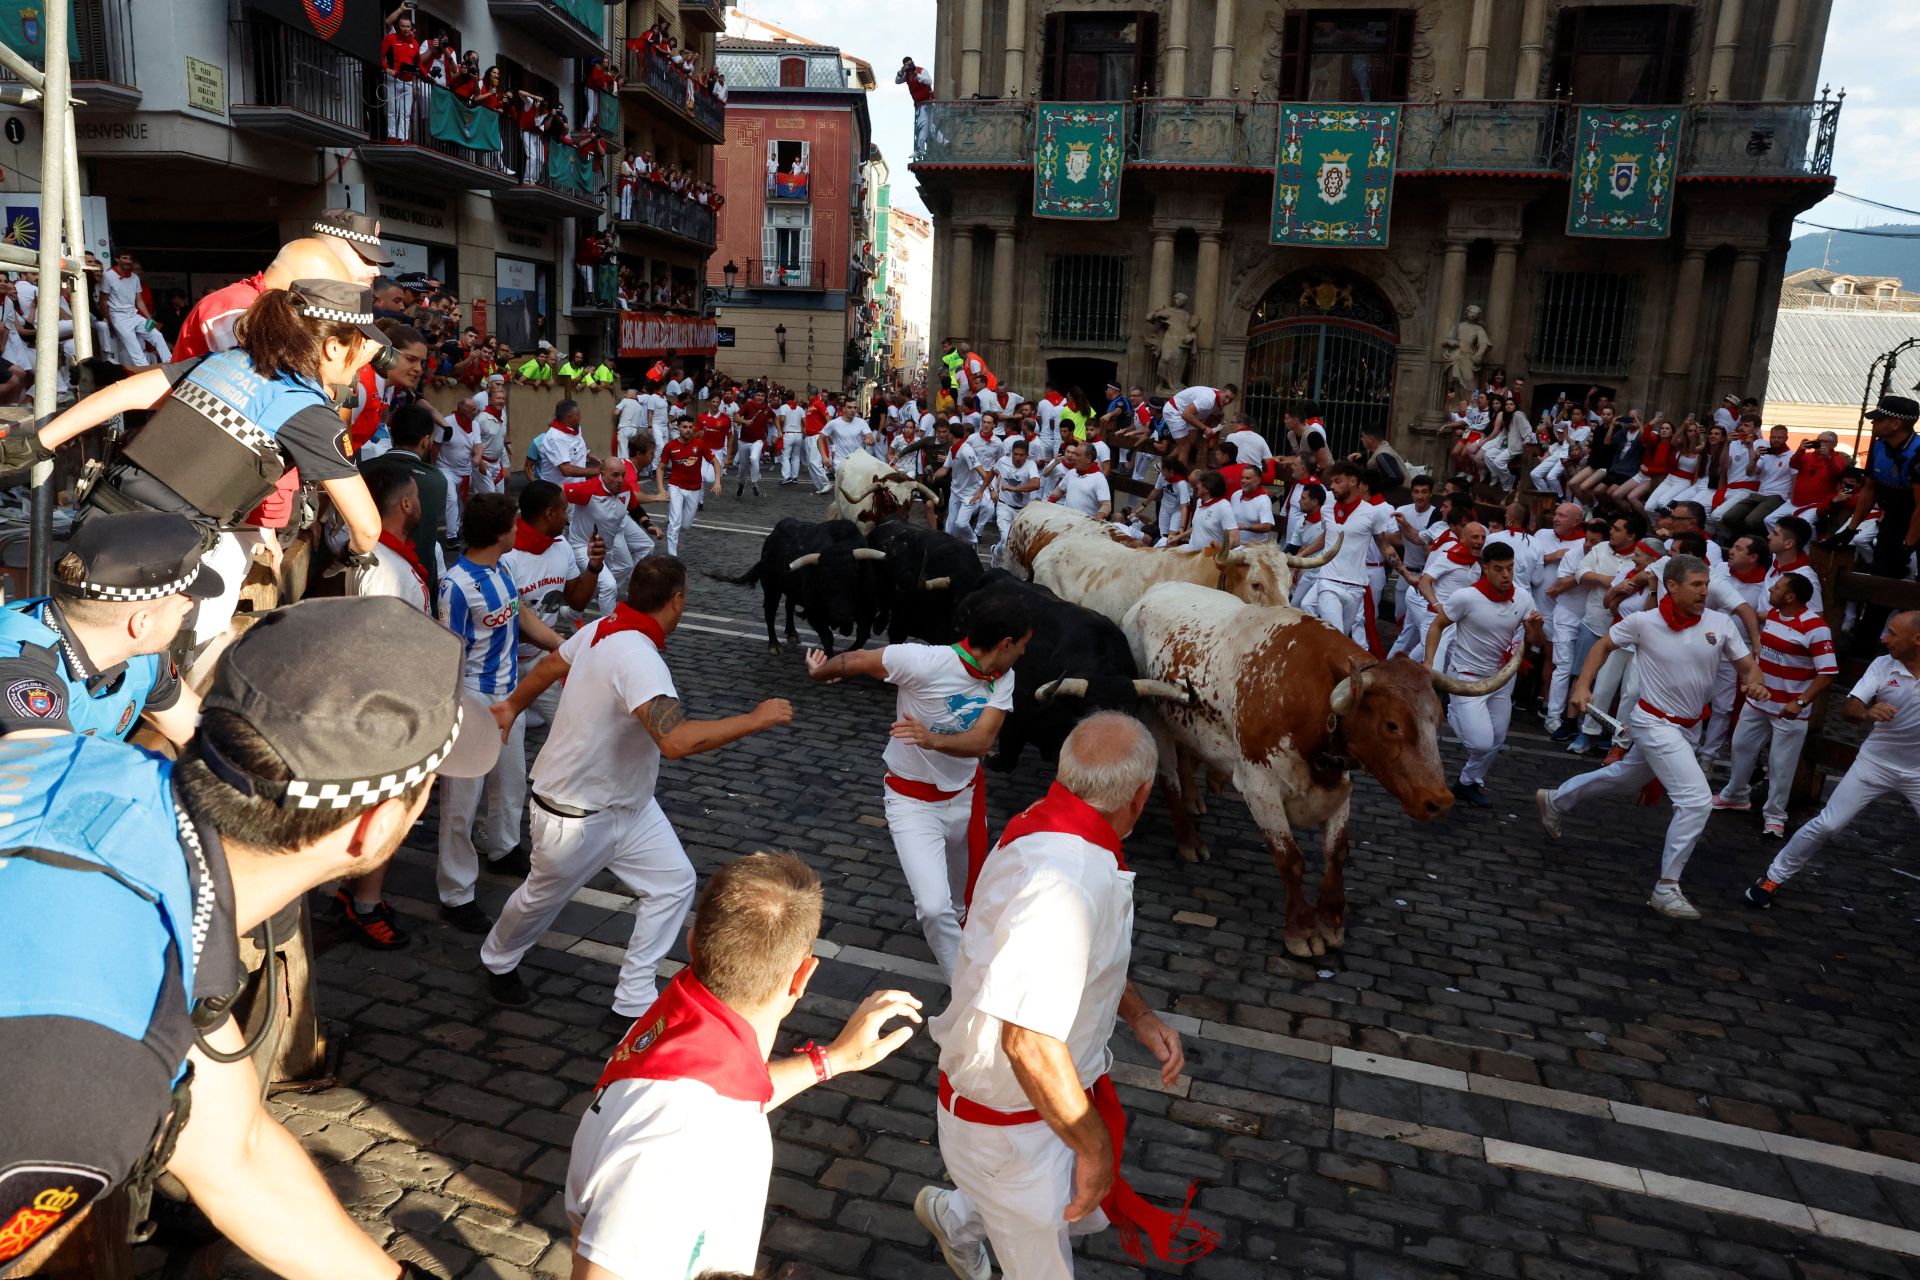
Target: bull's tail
833,510
750,578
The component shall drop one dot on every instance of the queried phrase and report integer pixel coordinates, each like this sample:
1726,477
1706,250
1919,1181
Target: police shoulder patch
35,698
35,1198
344,443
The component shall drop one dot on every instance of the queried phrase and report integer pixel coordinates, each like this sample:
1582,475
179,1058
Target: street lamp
780,340
732,272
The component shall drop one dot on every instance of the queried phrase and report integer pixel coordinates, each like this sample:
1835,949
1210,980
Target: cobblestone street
1513,1068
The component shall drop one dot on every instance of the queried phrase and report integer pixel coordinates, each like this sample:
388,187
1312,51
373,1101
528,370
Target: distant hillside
1860,255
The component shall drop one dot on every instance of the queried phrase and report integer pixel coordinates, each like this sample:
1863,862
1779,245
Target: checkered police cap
360,230
361,699
138,556
339,302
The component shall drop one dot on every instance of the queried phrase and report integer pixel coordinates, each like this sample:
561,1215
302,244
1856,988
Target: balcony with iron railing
575,28
1765,141
708,12
404,144
768,273
295,86
655,208
654,77
541,190
103,64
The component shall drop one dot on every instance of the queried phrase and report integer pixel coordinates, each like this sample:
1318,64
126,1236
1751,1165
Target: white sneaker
1669,901
1549,815
969,1262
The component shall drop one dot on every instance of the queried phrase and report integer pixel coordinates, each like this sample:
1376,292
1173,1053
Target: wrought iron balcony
407,147
1760,140
978,133
672,214
572,27
103,64
655,77
546,193
706,11
293,85
769,273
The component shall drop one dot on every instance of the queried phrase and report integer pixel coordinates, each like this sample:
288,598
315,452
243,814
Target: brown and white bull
1286,707
867,491
1108,577
1040,524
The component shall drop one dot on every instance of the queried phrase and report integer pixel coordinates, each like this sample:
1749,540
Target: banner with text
451,120
1333,177
1624,161
651,333
1076,159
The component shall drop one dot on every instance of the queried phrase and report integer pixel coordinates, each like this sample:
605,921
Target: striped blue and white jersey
479,604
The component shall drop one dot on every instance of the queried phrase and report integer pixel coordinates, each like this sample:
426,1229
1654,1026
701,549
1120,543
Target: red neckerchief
1514,528
563,428
124,275
1207,502
627,618
1790,566
405,550
1066,813
1055,398
1312,519
1376,499
688,1034
1575,536
1341,510
1443,538
1748,576
1481,585
1673,615
970,662
1459,554
529,539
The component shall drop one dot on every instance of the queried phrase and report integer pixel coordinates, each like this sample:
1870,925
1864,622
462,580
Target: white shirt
1212,521
1571,605
792,419
1775,472
1526,556
120,294
977,455
844,437
1009,475
1253,447
1603,559
1413,549
391,575
558,447
455,454
628,416
1048,414
1677,668
1255,510
1897,741
1805,570
1175,494
1740,459
1485,630
1362,525
1201,400
1449,576
1048,939
668,1178
940,691
654,406
492,433
598,755
1085,493
540,581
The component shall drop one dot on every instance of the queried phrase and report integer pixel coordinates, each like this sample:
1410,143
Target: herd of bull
1235,682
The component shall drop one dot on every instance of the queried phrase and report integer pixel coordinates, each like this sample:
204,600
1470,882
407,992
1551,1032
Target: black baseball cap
352,733
1904,407
140,555
360,230
338,300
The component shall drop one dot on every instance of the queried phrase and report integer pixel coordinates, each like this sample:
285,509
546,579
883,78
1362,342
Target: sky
1877,153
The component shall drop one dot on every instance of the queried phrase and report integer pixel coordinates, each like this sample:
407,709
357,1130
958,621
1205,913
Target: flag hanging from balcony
1333,177
23,29
566,167
1624,162
1076,159
609,118
451,120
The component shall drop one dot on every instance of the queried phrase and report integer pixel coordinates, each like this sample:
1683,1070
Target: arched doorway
1322,340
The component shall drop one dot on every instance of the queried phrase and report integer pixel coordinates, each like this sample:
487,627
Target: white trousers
816,462
535,149
1003,516
1567,654
1415,619
792,446
231,556
684,503
1012,1183
930,837
968,515
637,845
1660,749
455,485
513,778
136,341
1871,777
746,460
460,800
1667,492
1718,730
660,437
1781,739
1342,606
626,204
1546,475
1481,725
399,109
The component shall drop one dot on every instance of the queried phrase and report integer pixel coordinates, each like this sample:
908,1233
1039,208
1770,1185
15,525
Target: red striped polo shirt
1793,650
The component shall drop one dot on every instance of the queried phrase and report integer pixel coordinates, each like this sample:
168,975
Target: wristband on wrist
822,1065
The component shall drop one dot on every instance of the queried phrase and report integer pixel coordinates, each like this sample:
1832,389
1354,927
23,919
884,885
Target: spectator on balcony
530,116
919,82
627,177
602,77
400,61
592,146
464,80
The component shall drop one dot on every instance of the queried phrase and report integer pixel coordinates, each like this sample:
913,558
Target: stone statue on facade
1170,340
1465,349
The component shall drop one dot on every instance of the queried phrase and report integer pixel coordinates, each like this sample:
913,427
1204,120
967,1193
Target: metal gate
1322,341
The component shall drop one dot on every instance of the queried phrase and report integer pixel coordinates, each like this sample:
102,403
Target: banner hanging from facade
1333,177
23,29
451,120
353,26
652,333
609,117
566,167
1076,159
1624,162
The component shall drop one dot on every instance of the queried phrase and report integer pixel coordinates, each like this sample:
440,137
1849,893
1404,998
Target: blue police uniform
47,681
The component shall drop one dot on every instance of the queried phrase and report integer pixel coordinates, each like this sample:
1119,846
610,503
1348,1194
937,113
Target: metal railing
1737,139
103,51
769,273
512,159
669,211
1849,302
674,88
1584,321
1087,300
281,67
416,133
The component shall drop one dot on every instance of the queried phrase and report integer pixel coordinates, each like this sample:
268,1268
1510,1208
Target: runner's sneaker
375,926
1550,814
468,917
969,1262
509,988
1774,830
1760,893
1472,793
1582,744
1731,806
1669,901
1565,731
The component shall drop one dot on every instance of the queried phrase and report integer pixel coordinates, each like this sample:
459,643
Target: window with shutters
788,162
1631,55
1583,322
1346,55
1098,57
1087,300
793,73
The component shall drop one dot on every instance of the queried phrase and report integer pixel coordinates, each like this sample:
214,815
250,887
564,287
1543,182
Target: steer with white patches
1286,707
1108,577
1040,524
867,491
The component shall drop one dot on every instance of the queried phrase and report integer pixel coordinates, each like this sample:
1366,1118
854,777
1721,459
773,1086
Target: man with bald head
1560,547
345,246
1887,698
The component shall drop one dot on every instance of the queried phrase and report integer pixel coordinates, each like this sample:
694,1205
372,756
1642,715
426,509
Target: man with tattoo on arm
593,783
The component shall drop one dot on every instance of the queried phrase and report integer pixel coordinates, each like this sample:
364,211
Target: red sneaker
375,926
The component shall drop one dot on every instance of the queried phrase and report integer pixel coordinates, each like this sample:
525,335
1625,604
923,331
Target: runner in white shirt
1560,548
1516,534
1081,486
846,435
1887,698
1172,495
655,406
629,418
1798,663
396,570
1680,645
607,507
594,781
1016,481
1252,447
669,1170
490,432
1024,1041
1492,620
1453,562
1787,540
1252,509
1191,414
791,416
563,453
950,704
969,499
459,446
1342,597
127,316
1416,523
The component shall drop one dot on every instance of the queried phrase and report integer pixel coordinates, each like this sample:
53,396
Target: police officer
93,658
1893,466
125,882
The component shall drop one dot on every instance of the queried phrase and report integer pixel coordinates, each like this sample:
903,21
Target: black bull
1077,663
925,576
826,569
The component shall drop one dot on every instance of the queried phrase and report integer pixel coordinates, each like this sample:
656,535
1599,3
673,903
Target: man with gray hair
1680,645
1030,1126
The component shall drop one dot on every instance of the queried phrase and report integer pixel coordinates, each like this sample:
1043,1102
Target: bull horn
931,496
1314,562
1069,687
869,553
1163,689
1480,688
1222,556
804,562
936,584
1347,694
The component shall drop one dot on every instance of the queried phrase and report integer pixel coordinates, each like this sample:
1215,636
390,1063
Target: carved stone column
1533,47
1000,306
1160,269
1222,82
1736,326
1726,42
1013,78
1780,50
960,287
1506,261
971,23
1683,325
1473,79
1178,20
1206,301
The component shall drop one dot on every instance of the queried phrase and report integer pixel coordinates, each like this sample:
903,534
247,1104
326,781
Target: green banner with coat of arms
1624,162
1076,159
1333,178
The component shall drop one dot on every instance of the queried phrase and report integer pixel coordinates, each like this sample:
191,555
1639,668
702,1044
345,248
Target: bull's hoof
1196,803
1303,948
1334,934
773,646
1218,781
1195,852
